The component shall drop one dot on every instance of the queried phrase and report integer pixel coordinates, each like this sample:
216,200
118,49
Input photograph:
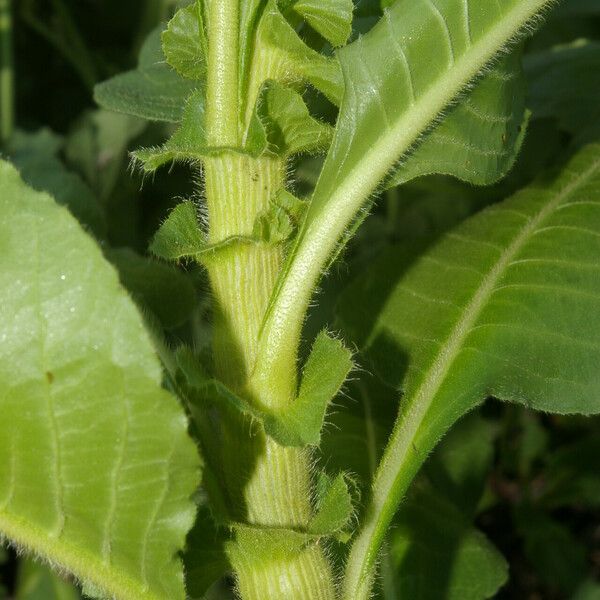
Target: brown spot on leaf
49,377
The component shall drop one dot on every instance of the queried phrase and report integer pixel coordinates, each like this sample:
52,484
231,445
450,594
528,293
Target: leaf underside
500,307
96,467
153,91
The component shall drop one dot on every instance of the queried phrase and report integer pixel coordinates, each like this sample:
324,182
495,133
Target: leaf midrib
327,220
442,364
394,471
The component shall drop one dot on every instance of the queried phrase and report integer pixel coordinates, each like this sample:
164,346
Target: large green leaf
153,91
501,307
96,467
499,284
390,103
36,157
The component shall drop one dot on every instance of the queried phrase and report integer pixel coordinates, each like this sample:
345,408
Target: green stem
264,485
7,92
222,91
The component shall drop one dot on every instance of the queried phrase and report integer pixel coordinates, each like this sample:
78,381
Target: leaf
163,290
559,75
294,61
499,307
331,18
96,467
180,235
38,582
278,223
184,42
289,127
390,103
436,553
478,141
324,374
333,507
300,423
496,285
36,157
154,91
282,125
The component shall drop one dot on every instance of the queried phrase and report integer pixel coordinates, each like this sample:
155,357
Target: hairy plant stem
265,485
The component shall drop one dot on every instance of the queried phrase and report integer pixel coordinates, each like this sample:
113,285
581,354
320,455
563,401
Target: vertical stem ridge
269,485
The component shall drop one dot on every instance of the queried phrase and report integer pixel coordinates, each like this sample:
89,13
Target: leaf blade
82,394
385,110
483,332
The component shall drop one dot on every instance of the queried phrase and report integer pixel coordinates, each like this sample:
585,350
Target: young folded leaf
478,316
333,506
180,235
184,42
90,479
289,127
331,18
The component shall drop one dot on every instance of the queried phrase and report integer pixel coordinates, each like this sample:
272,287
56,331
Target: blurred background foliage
509,504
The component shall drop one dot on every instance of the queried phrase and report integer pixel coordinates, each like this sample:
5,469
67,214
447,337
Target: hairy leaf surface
96,467
500,307
389,104
498,285
480,137
153,91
